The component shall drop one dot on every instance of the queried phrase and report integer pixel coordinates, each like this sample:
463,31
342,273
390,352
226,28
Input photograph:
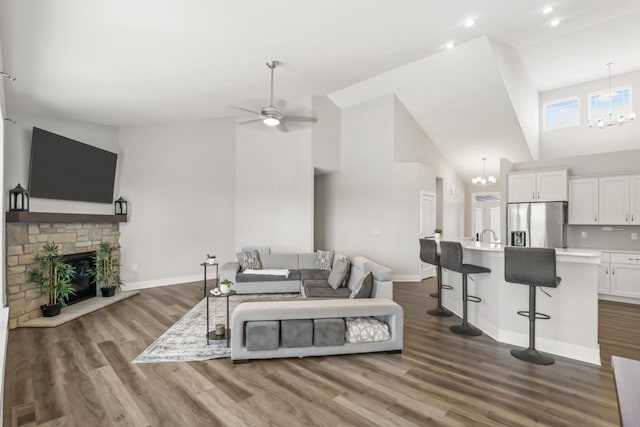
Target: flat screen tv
64,169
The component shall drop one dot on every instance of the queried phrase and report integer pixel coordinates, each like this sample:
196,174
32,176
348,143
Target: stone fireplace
25,239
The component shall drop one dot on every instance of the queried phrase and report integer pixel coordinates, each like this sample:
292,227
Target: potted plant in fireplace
106,271
53,275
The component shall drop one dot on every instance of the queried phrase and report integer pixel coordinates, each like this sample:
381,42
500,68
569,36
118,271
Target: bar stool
451,259
429,254
532,267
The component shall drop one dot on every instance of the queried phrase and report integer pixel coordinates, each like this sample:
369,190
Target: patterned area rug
185,341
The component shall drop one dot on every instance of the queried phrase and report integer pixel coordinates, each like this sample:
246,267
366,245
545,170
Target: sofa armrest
228,271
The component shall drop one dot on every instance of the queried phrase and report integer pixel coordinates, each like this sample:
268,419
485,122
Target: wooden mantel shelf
53,217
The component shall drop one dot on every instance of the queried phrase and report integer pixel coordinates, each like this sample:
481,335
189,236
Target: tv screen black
62,168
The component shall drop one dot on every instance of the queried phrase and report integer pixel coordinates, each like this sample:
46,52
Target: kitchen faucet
495,236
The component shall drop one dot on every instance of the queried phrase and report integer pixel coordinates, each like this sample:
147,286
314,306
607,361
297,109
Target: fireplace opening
82,283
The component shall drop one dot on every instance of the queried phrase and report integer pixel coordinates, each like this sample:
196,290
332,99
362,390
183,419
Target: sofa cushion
339,273
289,261
328,332
249,259
307,260
296,333
242,277
313,274
324,260
364,288
262,250
326,291
316,283
262,335
366,329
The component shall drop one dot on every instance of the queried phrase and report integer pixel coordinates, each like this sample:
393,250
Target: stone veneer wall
24,240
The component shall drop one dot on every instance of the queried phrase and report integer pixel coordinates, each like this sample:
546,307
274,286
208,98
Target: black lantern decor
120,206
19,199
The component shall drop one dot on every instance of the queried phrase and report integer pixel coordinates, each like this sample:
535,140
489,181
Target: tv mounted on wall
64,169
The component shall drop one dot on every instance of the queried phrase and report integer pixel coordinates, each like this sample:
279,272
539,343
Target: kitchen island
572,330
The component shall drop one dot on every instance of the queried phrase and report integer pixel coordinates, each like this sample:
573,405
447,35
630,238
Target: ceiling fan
272,115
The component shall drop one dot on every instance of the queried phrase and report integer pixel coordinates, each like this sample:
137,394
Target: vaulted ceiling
122,62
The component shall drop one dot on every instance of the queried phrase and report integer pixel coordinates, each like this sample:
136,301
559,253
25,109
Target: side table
211,335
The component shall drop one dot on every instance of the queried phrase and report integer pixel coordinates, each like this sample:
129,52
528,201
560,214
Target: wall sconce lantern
18,199
120,206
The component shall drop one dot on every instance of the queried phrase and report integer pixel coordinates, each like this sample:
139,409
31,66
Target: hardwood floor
80,375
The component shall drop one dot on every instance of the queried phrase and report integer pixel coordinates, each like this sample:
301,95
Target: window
600,103
486,214
562,113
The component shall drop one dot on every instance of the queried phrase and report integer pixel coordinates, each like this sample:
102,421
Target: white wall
583,140
522,92
18,156
357,201
412,144
325,135
179,181
274,188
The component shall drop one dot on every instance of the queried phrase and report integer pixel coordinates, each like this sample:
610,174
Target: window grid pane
562,113
600,104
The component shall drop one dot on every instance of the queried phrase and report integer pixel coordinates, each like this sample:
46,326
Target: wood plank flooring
80,375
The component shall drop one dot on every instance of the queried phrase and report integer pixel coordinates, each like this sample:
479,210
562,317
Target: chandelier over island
611,98
484,179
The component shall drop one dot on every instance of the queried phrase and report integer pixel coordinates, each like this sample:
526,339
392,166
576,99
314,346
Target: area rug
185,341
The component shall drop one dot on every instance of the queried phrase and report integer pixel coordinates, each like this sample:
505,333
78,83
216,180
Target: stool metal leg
440,311
465,328
530,354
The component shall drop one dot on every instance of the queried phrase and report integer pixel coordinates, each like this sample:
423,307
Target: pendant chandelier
610,119
484,179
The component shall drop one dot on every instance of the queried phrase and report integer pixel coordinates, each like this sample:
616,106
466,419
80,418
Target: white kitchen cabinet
522,187
583,201
604,275
537,186
634,202
613,200
625,280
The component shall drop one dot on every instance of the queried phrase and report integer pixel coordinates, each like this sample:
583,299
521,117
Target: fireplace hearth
82,283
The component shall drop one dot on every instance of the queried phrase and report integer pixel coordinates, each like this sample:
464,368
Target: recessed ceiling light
469,22
554,22
450,45
547,10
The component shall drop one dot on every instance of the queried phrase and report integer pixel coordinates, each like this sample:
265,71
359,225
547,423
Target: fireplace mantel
53,217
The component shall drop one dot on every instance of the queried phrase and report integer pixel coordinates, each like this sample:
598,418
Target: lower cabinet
619,274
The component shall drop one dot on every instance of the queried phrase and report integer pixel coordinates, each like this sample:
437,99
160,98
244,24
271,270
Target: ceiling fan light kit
271,115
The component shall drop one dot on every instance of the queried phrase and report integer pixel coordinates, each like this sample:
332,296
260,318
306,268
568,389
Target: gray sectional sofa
300,328
304,278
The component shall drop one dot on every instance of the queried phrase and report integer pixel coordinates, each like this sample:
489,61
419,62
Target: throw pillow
366,329
364,287
324,260
249,260
339,273
354,277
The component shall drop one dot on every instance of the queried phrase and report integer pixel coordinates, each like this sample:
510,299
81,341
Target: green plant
211,256
226,282
107,270
438,230
52,274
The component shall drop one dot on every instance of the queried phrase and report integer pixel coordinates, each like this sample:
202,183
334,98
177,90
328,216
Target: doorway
427,226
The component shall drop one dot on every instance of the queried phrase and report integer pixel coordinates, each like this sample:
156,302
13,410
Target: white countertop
493,247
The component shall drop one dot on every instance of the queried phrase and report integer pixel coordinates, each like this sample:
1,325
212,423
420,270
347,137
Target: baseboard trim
145,284
571,351
616,298
406,278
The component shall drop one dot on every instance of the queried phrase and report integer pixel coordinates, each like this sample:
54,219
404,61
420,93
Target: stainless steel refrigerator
539,225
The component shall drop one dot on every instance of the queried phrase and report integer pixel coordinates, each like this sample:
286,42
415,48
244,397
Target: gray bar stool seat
429,254
451,259
534,267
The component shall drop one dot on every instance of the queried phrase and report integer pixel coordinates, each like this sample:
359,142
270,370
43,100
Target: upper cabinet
583,201
537,186
613,198
607,200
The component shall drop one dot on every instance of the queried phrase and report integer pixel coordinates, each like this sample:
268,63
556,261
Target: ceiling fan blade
300,119
250,121
246,110
283,127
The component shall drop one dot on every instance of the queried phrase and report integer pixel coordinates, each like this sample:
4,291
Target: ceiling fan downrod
272,66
